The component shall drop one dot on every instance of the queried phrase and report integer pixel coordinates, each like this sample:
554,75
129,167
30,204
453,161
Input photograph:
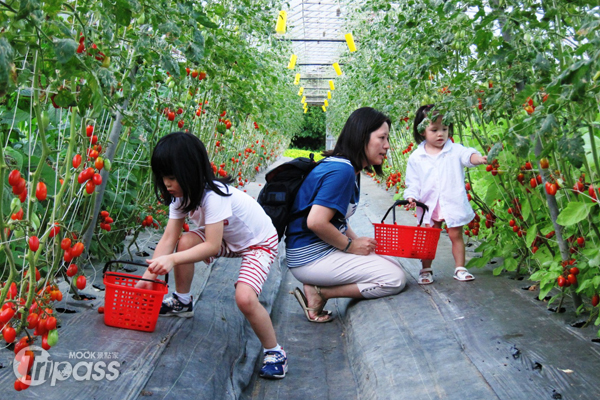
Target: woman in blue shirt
322,250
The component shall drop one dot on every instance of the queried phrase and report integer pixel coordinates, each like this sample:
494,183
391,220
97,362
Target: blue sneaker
173,307
274,365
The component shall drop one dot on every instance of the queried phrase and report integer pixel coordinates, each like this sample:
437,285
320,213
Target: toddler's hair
355,137
420,116
183,156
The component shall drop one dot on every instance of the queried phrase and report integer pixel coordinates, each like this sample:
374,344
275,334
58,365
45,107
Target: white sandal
463,275
425,277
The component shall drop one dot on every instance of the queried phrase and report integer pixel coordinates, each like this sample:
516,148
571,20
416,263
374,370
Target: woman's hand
161,265
362,246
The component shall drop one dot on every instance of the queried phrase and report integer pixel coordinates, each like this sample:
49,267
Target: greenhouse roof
315,29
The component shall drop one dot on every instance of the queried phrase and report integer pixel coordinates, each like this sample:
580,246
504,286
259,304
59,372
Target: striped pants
256,260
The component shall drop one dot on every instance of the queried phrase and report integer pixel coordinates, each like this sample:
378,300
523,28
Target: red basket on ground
126,306
406,241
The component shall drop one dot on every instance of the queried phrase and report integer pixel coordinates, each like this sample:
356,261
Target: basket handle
403,203
109,263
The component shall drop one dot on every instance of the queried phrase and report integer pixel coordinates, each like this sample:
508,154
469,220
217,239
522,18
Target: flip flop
425,277
463,275
304,304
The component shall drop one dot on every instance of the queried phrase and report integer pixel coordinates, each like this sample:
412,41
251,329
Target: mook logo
34,366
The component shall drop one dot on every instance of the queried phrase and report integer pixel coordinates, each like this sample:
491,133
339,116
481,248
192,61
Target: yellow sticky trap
305,110
292,63
331,86
303,99
324,109
337,68
350,42
297,80
329,94
326,103
281,20
300,91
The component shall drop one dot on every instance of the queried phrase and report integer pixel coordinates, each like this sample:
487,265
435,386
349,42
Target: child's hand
161,265
145,284
478,160
411,202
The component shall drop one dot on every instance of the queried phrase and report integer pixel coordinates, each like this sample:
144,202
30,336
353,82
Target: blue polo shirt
333,184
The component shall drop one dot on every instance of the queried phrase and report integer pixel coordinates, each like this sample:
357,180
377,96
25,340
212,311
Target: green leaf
168,64
572,149
9,152
531,234
123,13
510,264
495,150
26,7
85,99
574,213
492,194
549,126
525,210
65,49
204,20
6,63
498,270
65,98
169,28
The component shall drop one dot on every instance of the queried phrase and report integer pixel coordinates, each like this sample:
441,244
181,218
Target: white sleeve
465,156
215,207
174,211
411,180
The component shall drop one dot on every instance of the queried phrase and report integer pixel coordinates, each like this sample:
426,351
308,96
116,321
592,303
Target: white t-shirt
245,222
440,178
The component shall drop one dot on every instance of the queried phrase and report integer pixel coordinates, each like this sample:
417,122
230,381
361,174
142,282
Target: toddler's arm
477,159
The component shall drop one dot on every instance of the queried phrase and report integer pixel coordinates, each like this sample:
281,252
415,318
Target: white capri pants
375,275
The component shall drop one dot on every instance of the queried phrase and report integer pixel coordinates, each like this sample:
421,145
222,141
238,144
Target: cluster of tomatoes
515,211
149,221
89,176
493,167
408,148
105,220
473,226
569,274
19,184
201,75
98,55
490,219
256,125
580,185
538,240
394,179
40,318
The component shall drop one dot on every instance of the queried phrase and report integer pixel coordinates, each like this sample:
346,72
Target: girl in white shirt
230,224
435,175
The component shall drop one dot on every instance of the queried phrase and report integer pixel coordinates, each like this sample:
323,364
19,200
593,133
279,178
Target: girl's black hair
421,115
184,157
355,137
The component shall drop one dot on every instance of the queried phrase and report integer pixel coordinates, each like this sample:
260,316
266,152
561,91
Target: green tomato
141,19
15,205
52,338
171,85
18,233
107,164
44,120
35,221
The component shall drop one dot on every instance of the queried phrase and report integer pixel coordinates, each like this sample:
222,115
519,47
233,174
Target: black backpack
278,194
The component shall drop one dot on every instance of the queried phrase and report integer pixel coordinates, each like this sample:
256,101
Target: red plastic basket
128,307
406,241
